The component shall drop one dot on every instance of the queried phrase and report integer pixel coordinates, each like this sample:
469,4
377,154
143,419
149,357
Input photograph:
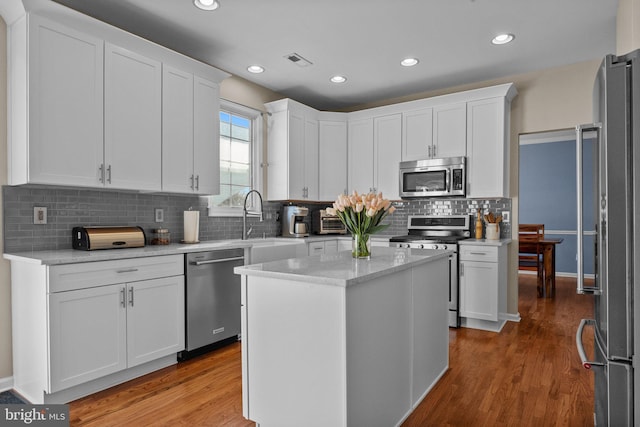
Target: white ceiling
365,40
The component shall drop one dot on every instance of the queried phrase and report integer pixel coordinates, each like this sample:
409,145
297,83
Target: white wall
628,26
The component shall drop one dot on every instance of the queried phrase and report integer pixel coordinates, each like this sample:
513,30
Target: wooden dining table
548,249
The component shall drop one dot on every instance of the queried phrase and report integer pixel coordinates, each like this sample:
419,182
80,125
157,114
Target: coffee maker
293,224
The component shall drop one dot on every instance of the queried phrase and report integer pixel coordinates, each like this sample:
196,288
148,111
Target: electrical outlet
39,215
159,215
505,216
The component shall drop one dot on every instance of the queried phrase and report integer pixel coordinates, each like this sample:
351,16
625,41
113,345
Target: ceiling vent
298,60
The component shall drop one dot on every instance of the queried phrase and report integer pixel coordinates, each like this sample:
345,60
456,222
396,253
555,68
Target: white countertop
73,256
340,269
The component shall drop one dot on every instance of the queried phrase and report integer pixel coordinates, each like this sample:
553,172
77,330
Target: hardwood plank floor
528,375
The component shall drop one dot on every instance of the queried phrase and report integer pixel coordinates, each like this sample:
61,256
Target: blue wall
548,196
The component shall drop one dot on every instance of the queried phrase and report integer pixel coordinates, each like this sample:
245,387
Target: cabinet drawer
479,253
91,274
316,248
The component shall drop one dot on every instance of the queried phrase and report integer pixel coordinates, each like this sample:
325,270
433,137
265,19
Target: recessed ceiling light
338,79
409,62
206,4
255,69
503,38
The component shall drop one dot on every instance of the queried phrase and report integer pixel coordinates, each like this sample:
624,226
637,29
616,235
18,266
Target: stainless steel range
440,233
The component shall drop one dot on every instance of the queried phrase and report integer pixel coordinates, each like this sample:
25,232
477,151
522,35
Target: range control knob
434,247
421,246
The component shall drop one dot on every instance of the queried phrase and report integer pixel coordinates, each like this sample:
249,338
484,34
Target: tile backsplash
68,208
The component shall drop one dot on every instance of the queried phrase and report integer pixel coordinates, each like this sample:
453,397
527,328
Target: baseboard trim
511,317
6,383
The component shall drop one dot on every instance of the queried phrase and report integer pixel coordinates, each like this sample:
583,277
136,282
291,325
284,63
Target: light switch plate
39,215
159,215
505,216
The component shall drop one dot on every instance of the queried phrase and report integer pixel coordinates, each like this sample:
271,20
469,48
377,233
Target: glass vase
361,246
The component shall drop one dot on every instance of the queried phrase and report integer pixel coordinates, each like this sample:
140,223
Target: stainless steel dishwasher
212,298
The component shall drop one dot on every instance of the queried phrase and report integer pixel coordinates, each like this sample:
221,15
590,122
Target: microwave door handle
447,183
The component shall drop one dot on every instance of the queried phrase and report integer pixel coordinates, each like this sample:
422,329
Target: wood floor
528,375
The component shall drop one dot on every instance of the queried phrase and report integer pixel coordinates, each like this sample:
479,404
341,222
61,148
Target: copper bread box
92,238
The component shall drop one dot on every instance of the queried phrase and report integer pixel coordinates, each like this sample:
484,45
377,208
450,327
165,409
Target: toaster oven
323,223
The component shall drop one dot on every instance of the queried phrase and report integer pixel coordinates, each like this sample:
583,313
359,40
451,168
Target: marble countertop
73,256
340,269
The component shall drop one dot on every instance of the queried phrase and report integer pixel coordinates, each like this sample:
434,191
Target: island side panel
295,353
379,334
430,326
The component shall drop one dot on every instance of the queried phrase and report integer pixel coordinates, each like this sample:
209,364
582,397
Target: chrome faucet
246,213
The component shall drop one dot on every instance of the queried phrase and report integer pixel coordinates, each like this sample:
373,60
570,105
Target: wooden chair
530,257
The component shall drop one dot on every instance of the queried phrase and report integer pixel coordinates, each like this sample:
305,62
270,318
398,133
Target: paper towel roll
191,226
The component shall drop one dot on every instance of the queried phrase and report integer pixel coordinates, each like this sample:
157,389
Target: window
240,136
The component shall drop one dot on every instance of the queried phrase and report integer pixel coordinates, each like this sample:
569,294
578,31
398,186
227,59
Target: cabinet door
65,105
330,246
316,248
487,149
388,143
417,134
155,319
360,157
133,122
479,290
88,335
177,130
332,159
449,130
206,136
311,150
296,164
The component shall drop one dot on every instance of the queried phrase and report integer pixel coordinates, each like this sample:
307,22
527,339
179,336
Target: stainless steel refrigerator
608,243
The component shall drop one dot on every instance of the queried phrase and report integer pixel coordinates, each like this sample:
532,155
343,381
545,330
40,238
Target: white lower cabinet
323,247
103,323
483,277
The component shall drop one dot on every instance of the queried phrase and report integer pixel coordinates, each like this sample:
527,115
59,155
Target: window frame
255,116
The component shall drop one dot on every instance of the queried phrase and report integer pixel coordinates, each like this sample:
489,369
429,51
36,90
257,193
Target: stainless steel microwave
445,177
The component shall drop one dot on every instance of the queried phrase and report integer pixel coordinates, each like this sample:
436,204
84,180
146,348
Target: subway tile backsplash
67,208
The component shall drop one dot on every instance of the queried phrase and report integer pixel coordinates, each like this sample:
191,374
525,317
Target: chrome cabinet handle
109,174
122,298
128,270
191,179
434,150
429,152
580,130
216,261
461,269
197,182
131,296
101,169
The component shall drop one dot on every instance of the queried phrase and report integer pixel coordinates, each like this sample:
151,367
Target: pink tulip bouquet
362,215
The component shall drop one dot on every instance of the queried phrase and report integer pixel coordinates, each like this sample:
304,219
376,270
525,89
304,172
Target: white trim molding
6,383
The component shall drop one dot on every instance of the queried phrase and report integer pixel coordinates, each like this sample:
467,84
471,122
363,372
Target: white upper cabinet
177,130
488,148
388,142
206,136
361,156
439,131
132,120
292,151
417,134
86,107
190,133
332,159
65,104
449,130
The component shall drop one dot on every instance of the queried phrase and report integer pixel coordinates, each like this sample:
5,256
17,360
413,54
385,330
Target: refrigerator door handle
580,130
583,355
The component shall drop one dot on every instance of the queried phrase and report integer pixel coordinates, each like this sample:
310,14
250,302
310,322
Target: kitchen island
332,341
